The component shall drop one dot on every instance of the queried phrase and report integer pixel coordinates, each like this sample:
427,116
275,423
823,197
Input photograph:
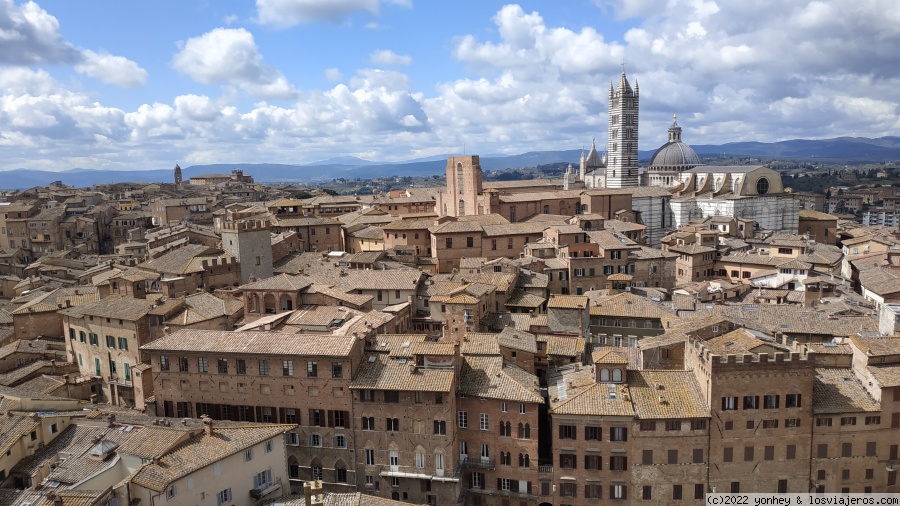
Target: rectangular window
312,370
848,420
672,425
697,457
846,449
287,367
782,486
672,456
223,366
771,401
163,363
648,425
483,423
751,402
769,453
203,364
337,370
567,461
618,434
698,424
391,396
791,452
593,462
729,403
593,433
110,342
182,364
873,420
240,365
748,453
728,454
462,419
123,343
792,401
676,492
647,457
823,422
618,463
699,491
567,432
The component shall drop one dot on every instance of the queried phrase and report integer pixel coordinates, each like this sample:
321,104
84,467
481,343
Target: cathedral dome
675,153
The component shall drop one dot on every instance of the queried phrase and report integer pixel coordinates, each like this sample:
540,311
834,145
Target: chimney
312,492
112,420
207,425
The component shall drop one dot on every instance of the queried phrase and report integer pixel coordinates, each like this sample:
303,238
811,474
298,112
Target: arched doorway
269,301
286,303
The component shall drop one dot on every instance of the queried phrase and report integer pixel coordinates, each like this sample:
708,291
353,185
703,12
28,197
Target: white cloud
112,69
230,56
30,35
388,57
286,13
230,19
730,70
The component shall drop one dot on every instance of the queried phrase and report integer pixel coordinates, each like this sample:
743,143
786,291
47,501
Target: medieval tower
177,175
622,144
463,194
251,243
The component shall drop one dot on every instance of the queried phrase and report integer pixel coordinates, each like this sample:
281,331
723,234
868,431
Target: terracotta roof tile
838,390
202,451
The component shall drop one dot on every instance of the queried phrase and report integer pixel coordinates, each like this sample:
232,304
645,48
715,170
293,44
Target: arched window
527,431
459,178
617,375
340,472
524,460
293,468
604,374
521,431
462,207
316,468
438,462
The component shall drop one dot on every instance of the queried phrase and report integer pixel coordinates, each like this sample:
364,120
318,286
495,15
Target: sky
108,84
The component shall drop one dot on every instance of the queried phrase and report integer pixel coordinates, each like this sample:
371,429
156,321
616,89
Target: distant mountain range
845,150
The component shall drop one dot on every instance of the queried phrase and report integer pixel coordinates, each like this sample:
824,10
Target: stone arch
315,469
286,304
293,468
340,472
269,304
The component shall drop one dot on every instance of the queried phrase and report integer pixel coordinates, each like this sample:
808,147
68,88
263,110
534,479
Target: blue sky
121,85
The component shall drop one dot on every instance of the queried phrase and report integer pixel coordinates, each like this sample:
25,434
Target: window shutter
330,418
